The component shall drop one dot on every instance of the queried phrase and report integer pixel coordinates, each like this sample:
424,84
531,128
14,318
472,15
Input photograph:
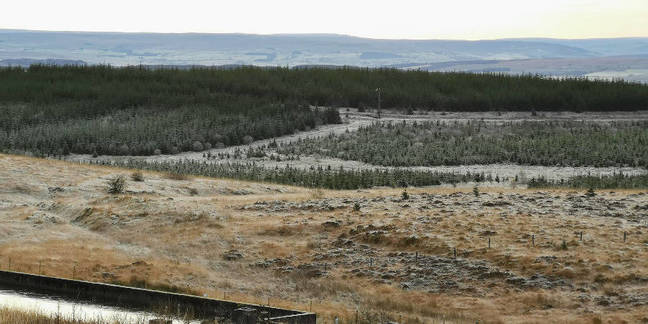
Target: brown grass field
391,259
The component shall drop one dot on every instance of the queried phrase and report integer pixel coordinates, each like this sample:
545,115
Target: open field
381,252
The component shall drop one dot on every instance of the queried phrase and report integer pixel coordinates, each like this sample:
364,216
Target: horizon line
316,34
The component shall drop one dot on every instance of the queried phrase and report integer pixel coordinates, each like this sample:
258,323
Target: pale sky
453,19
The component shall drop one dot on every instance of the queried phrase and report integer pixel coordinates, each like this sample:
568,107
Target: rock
53,190
232,255
331,224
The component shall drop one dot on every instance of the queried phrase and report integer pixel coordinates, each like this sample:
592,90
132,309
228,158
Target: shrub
404,195
197,146
116,184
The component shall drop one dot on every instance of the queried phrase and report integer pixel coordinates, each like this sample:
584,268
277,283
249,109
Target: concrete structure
145,299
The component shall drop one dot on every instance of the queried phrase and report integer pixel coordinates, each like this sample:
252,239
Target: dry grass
14,316
160,232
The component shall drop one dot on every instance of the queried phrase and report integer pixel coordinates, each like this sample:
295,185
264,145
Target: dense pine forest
87,91
616,181
458,143
49,110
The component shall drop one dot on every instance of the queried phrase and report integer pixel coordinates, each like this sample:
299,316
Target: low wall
137,298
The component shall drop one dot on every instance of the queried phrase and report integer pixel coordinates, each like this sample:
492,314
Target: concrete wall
137,298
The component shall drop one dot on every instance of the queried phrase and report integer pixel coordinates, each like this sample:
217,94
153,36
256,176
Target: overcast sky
452,19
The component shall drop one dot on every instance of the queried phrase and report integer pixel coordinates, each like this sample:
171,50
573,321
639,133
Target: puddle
53,306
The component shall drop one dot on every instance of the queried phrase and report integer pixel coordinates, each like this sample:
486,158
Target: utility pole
379,90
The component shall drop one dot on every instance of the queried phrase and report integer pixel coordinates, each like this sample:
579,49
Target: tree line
615,181
91,90
548,143
315,177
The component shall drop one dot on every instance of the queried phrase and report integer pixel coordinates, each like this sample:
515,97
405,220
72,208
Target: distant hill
30,47
27,62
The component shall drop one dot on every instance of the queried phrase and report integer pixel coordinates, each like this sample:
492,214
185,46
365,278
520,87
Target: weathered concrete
138,298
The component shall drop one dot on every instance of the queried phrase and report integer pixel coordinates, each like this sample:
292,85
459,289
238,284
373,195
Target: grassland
379,251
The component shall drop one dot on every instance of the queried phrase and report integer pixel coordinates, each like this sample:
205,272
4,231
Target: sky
402,19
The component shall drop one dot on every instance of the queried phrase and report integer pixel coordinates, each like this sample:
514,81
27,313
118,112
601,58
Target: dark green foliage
315,178
457,143
616,181
88,91
475,191
117,184
404,195
356,206
590,192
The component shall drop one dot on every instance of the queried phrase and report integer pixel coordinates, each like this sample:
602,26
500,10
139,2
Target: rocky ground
498,255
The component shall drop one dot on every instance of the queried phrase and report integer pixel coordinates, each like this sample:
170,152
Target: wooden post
489,242
533,239
581,236
455,252
625,236
416,257
379,99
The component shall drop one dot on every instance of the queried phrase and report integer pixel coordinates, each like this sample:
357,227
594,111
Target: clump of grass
404,195
283,230
590,192
138,282
137,176
116,184
356,207
177,176
17,316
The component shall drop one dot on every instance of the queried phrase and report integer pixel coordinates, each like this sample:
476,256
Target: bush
117,184
197,146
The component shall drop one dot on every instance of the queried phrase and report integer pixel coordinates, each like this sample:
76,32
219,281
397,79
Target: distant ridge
24,47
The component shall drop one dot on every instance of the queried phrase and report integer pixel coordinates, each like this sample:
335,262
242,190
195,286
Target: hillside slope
388,254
